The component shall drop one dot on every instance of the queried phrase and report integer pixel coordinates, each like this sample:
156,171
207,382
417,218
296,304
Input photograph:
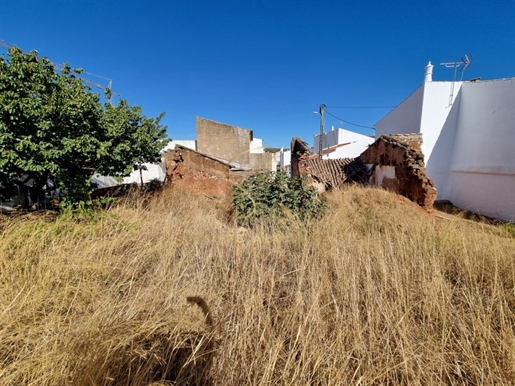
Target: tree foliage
265,197
51,124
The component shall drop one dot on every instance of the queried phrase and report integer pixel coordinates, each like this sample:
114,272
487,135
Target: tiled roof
334,172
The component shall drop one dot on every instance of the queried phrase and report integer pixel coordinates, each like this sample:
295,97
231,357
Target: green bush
266,197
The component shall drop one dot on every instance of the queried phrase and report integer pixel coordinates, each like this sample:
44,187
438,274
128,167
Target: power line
361,107
350,123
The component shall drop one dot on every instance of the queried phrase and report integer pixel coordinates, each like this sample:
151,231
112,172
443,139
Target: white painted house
468,130
341,143
256,146
283,160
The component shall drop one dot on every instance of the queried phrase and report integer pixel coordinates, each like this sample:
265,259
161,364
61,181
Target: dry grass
378,292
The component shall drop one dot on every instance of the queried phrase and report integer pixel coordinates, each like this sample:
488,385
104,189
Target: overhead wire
361,107
350,123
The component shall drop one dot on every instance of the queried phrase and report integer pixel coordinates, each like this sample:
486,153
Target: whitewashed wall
483,163
405,118
435,112
439,131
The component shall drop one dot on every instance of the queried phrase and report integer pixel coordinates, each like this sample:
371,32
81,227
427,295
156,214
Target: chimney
429,73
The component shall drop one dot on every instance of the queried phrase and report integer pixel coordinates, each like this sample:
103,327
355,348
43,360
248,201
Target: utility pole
321,137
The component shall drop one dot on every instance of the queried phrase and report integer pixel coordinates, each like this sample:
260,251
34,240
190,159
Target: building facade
468,131
341,143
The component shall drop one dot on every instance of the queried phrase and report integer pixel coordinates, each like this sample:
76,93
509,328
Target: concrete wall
263,161
482,171
225,142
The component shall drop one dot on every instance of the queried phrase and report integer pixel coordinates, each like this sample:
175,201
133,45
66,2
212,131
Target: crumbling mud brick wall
224,142
198,172
299,157
397,163
413,140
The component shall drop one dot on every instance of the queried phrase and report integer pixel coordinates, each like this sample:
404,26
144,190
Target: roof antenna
466,61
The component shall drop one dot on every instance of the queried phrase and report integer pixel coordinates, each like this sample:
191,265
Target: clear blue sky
265,65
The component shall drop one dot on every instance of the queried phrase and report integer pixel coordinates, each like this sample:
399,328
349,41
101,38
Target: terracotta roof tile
334,172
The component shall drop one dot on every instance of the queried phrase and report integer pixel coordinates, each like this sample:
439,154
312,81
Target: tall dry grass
377,293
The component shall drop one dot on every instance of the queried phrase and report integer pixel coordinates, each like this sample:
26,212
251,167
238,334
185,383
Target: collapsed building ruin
394,162
324,173
197,171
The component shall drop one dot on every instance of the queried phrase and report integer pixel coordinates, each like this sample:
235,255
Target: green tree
53,124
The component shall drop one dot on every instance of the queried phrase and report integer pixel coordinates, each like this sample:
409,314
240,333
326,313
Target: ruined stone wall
299,157
225,142
399,167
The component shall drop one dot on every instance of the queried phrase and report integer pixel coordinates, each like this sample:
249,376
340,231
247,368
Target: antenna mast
59,67
466,61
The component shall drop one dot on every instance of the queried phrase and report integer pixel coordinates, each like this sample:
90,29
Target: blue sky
265,65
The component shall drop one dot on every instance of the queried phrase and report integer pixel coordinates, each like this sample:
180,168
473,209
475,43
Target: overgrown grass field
378,292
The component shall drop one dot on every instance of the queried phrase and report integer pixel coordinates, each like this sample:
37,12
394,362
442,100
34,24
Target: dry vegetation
378,292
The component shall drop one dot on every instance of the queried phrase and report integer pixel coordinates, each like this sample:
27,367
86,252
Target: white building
283,159
256,146
341,143
468,130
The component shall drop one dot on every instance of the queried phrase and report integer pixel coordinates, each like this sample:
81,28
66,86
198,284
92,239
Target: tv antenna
59,67
465,62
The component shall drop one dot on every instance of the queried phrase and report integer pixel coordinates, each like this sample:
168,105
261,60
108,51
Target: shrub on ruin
267,197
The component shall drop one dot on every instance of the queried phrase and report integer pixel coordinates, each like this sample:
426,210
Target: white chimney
429,73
